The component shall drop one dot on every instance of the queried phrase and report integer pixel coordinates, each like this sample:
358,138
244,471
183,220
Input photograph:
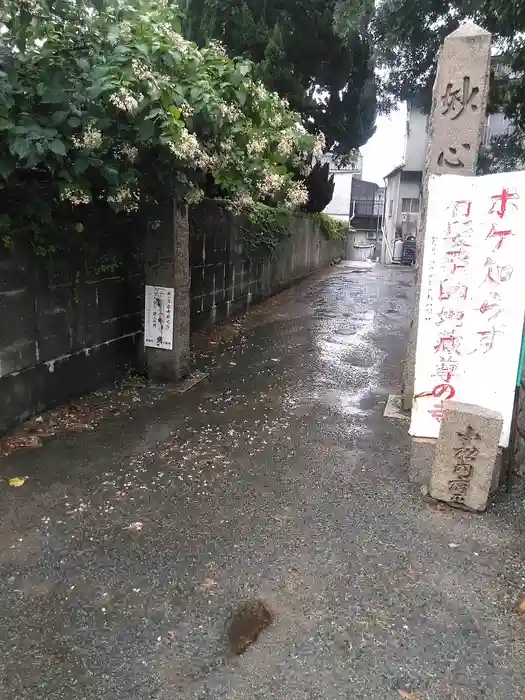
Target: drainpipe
351,238
385,244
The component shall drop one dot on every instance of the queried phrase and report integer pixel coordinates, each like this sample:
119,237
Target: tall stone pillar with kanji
455,132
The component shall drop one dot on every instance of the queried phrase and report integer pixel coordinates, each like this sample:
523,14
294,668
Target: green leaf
58,118
57,146
65,175
7,167
236,78
20,148
53,97
45,132
146,130
80,165
113,33
242,95
195,93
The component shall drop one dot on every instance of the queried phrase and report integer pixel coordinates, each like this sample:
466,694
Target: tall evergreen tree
408,34
316,53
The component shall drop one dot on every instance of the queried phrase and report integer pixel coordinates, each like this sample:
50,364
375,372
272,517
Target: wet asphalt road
125,551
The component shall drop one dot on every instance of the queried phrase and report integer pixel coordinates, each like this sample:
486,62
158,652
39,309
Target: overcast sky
385,149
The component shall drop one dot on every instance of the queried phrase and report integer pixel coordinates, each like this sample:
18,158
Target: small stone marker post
466,455
456,124
167,267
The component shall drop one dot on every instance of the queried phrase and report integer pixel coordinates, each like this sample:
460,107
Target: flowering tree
100,99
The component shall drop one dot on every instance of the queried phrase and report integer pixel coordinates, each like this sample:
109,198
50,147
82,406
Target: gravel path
128,547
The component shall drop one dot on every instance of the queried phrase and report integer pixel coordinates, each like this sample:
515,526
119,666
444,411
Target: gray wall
61,336
339,205
226,279
519,436
416,138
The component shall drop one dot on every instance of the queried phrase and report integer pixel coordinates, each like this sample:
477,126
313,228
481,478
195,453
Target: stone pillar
456,125
167,265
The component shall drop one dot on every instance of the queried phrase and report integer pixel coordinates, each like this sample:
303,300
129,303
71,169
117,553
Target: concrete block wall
61,337
226,279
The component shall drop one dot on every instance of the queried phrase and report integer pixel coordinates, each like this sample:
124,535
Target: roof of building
355,169
395,171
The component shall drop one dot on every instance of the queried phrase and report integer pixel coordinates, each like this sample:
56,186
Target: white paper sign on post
158,318
472,297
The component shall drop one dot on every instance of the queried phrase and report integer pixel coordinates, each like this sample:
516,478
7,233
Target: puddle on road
347,403
349,364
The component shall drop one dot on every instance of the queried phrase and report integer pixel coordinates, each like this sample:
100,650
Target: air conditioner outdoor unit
404,216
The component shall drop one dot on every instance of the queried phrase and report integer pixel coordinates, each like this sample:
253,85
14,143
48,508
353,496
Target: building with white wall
403,184
339,206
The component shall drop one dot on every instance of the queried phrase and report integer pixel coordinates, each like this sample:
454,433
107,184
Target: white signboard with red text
158,317
472,300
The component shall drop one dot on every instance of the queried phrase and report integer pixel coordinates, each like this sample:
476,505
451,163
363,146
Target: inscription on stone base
466,455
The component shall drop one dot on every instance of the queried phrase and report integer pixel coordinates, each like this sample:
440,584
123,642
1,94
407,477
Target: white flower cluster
124,100
32,7
227,146
178,41
286,145
243,201
306,170
279,103
300,128
127,198
218,47
194,195
189,150
260,92
206,161
187,110
271,182
187,147
129,153
141,70
256,145
319,146
125,31
89,140
229,111
75,197
297,194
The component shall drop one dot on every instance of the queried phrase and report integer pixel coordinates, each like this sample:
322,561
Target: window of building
390,207
410,205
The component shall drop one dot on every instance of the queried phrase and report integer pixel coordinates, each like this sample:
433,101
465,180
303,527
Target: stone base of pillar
465,463
421,461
